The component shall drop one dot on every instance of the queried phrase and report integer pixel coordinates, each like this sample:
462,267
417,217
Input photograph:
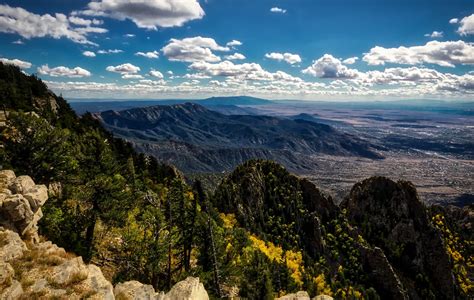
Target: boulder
36,196
7,177
188,289
22,184
97,284
17,209
71,271
323,297
134,290
11,245
6,273
301,295
13,292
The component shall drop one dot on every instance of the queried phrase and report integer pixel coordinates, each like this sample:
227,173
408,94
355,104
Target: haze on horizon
273,49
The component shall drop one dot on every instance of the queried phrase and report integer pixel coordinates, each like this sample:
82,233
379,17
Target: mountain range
198,139
262,234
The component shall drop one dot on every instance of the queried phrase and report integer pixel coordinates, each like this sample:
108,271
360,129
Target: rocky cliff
392,217
32,268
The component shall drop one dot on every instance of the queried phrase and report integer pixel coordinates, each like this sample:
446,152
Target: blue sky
279,49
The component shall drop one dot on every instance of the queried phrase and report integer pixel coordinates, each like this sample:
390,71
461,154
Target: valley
427,142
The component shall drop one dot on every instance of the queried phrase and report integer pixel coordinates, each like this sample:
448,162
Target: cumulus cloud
399,75
62,71
235,56
234,43
466,25
278,10
288,57
193,49
129,35
156,74
350,60
18,42
330,67
454,21
446,54
16,62
435,34
109,51
123,69
245,71
88,53
149,14
19,21
151,54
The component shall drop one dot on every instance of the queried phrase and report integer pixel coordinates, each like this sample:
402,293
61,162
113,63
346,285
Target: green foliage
34,147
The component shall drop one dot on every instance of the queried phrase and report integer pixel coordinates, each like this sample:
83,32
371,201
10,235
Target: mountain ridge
196,125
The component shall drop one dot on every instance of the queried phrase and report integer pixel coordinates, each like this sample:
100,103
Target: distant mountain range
217,103
197,139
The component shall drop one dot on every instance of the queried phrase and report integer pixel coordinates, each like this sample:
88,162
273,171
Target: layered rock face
31,269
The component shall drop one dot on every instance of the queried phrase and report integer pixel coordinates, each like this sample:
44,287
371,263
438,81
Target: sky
274,49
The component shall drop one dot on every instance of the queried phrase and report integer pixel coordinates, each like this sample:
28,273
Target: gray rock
135,290
301,295
97,283
11,245
72,271
37,196
17,208
13,292
6,273
323,297
188,289
22,184
7,177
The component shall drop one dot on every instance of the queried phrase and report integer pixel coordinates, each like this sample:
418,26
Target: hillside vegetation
264,232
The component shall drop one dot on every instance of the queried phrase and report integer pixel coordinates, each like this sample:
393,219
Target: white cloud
110,51
148,14
88,53
235,56
62,71
446,54
84,22
435,34
29,25
330,67
466,25
193,49
151,54
234,43
129,35
454,21
196,76
350,60
169,72
288,57
123,69
278,10
18,42
132,76
16,62
245,71
156,74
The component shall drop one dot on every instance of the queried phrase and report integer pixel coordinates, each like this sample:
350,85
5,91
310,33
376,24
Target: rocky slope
392,217
381,229
196,139
32,268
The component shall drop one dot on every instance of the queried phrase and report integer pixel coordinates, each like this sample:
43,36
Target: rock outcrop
391,216
31,269
303,295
